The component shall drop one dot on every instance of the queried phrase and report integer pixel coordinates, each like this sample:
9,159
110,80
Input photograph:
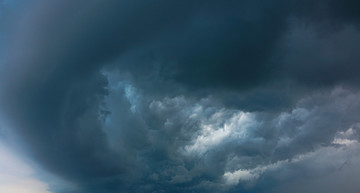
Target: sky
159,96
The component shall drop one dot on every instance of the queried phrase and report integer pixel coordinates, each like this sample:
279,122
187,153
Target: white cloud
320,162
219,128
344,137
233,178
250,175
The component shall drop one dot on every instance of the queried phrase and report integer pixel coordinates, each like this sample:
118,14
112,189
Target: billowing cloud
188,96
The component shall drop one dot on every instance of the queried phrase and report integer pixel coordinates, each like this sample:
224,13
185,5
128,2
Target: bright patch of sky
16,176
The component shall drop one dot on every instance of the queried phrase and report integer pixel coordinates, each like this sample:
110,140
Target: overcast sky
160,96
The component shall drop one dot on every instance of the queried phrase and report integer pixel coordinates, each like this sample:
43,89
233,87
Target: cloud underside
205,96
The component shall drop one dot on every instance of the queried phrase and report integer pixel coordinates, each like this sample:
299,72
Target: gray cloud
186,96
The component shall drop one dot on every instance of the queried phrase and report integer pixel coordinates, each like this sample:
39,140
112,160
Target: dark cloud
159,96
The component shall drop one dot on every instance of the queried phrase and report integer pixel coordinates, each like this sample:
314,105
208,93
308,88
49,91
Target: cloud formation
205,96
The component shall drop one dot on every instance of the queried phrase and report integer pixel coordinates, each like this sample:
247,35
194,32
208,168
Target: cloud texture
185,96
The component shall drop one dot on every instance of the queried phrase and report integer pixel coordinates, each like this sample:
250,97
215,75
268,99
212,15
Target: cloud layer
205,96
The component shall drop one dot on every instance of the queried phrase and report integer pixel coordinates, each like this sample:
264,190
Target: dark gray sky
254,96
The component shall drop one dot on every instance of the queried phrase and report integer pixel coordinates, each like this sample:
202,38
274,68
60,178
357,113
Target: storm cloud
185,96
